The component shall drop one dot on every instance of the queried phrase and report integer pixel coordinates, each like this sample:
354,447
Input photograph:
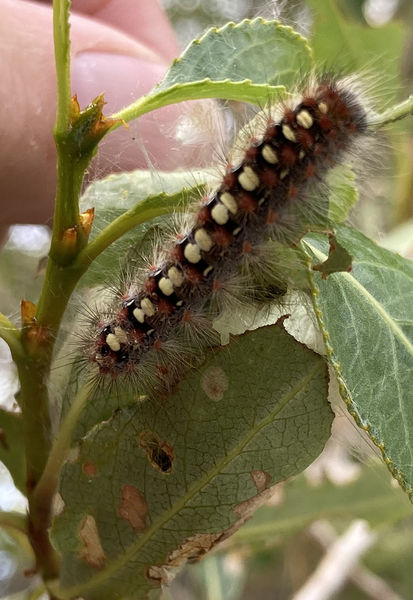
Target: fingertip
144,20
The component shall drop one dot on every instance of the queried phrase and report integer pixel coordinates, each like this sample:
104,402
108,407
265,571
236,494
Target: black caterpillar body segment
279,168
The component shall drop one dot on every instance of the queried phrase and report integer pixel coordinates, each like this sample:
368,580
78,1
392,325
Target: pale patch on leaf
261,479
92,551
133,507
214,382
58,504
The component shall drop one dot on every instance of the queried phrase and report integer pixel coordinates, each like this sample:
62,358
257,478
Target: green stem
395,113
47,484
61,31
152,207
11,335
38,338
69,173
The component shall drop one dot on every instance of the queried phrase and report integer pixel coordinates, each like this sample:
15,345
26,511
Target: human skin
119,47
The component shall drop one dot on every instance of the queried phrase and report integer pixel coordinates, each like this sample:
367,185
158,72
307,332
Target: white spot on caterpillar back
139,315
220,214
269,154
248,179
192,253
147,307
230,202
121,335
175,276
166,286
305,119
203,240
288,133
113,342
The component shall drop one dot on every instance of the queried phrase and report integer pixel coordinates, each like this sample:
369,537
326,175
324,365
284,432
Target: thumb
104,60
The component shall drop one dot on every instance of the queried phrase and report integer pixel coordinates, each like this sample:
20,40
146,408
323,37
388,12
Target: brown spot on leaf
214,382
91,551
133,507
160,454
89,469
261,479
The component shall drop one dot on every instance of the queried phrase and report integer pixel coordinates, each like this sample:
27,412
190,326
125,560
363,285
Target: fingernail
121,78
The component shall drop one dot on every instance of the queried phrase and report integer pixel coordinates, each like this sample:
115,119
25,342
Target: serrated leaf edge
335,363
249,22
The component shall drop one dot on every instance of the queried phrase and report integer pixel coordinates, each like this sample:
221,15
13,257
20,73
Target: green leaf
142,193
12,448
252,61
367,320
343,193
161,482
264,52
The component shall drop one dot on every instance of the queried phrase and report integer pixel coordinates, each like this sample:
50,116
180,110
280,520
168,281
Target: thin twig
339,561
395,113
371,584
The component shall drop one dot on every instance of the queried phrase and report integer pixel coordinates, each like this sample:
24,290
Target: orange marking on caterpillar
222,237
247,202
269,178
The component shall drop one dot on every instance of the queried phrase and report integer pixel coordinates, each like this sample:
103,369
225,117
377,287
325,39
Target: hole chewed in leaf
133,507
89,469
339,260
261,479
91,551
214,382
160,454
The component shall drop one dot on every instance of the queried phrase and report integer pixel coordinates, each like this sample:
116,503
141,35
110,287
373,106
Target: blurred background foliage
276,552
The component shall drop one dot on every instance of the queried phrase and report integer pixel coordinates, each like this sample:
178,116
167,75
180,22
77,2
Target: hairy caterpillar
163,317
